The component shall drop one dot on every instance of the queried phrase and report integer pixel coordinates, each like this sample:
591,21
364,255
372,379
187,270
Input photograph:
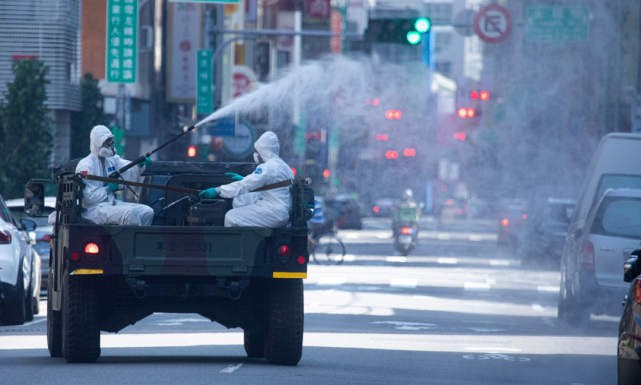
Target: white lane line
231,368
447,261
490,281
443,236
331,281
403,282
396,259
35,322
476,286
349,258
551,289
537,307
483,349
499,262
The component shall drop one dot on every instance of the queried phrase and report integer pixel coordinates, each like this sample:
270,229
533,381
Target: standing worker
99,203
269,208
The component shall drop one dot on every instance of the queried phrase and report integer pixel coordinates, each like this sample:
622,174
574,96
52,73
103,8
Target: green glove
113,187
234,176
145,163
210,193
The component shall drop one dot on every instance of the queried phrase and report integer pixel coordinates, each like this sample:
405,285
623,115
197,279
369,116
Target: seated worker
270,208
99,203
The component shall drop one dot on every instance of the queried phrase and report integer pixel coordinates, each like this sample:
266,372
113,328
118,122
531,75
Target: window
618,217
442,41
618,181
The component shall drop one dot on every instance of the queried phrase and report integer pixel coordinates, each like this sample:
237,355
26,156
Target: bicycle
326,248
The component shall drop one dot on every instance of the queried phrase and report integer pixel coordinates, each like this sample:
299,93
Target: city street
456,311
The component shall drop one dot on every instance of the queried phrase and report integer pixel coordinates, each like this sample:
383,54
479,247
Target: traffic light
460,136
382,137
482,95
485,95
409,152
294,171
397,31
391,154
191,152
393,114
474,95
464,113
326,173
372,102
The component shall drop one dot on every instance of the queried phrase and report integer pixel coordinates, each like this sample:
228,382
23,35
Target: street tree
25,150
90,115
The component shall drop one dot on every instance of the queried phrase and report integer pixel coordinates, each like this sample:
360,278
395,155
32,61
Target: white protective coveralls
269,208
99,203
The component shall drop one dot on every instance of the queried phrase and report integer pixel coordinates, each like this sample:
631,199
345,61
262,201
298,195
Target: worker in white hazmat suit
99,203
270,208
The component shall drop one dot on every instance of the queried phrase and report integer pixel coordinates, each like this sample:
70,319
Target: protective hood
267,146
98,136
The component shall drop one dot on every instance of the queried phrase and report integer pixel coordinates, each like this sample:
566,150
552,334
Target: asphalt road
457,311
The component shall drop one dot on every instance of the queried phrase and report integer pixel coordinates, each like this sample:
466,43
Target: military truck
104,278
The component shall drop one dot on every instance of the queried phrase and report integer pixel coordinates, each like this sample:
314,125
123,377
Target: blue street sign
225,126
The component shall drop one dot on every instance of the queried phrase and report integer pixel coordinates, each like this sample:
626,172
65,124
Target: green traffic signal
423,25
413,37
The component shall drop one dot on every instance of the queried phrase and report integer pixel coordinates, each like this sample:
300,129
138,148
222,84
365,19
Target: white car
19,270
592,265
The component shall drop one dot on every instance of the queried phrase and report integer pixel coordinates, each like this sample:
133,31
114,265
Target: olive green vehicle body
222,273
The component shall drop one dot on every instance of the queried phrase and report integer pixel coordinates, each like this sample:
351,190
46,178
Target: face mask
106,152
257,158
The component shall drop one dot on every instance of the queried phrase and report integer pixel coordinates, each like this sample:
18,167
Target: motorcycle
406,239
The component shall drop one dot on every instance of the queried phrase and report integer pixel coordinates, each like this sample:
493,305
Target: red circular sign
493,23
241,85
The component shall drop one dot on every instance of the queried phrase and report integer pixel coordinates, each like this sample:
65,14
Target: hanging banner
205,91
184,35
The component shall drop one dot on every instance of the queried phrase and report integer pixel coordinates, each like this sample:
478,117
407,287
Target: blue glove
113,187
234,176
145,163
210,193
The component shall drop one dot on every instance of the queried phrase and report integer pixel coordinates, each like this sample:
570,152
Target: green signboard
205,92
557,24
122,41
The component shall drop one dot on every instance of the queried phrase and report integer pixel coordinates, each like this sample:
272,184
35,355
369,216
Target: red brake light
191,152
406,230
5,237
376,209
301,260
449,202
46,237
285,251
75,256
92,248
524,216
586,258
637,290
505,222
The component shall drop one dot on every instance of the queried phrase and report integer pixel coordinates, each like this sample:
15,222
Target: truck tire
14,312
255,344
285,319
54,324
80,320
28,305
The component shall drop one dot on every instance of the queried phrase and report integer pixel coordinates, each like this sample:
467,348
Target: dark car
629,344
543,237
344,211
512,219
383,207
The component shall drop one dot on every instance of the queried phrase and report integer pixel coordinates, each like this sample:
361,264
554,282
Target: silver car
593,258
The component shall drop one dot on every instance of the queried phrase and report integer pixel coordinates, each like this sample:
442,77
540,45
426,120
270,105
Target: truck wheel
80,322
28,305
54,325
285,319
255,344
14,312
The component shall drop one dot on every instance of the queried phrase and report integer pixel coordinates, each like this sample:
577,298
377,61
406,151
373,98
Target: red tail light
5,237
376,209
46,237
301,260
406,230
586,258
505,222
285,251
637,291
92,248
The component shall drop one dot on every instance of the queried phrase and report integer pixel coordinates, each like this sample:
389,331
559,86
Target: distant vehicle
42,233
544,235
629,343
383,207
19,270
512,219
592,265
345,212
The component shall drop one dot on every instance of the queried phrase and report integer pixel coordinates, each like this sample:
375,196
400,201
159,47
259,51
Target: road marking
537,307
499,262
231,368
408,325
396,259
447,261
490,281
403,282
180,321
476,286
331,281
492,349
552,289
443,236
34,322
486,330
349,258
495,356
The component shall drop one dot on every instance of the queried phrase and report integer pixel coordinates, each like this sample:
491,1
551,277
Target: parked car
545,231
629,343
383,207
19,270
43,231
592,264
